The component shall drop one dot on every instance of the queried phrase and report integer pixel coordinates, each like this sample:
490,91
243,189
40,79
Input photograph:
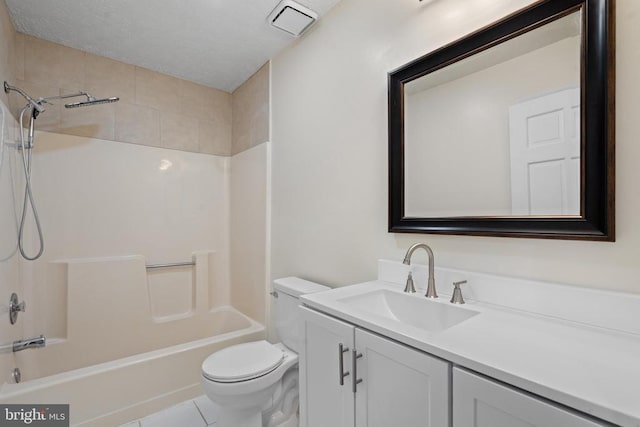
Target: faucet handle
15,308
456,298
409,288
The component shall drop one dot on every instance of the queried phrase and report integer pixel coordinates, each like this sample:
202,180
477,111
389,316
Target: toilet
255,384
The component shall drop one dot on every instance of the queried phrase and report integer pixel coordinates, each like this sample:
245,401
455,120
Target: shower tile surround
154,109
251,102
9,47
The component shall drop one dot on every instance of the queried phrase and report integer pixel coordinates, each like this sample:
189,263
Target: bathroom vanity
519,353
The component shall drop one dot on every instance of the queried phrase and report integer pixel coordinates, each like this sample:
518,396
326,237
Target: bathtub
114,392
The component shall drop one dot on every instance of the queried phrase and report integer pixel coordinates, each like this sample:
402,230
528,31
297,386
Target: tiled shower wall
154,109
251,112
7,49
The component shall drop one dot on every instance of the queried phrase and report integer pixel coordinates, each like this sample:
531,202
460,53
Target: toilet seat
242,362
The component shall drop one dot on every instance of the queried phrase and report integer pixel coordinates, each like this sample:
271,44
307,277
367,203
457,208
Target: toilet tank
286,298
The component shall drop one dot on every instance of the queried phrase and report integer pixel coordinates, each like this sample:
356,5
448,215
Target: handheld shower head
92,101
26,143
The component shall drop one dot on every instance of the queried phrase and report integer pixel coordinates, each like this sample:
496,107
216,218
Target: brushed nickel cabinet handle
341,350
354,367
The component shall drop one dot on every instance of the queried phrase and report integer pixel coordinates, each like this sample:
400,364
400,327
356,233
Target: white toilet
256,384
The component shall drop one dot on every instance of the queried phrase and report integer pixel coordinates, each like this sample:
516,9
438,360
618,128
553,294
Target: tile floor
199,412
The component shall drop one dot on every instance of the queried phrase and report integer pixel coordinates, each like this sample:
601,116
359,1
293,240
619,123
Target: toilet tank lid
296,286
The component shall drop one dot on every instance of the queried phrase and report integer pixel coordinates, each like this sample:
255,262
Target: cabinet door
400,386
324,402
479,402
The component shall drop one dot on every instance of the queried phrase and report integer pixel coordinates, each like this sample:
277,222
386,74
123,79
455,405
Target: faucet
431,283
29,343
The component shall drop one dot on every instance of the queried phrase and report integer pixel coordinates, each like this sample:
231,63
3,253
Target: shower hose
27,156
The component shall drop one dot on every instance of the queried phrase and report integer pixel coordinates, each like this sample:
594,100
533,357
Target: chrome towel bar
171,265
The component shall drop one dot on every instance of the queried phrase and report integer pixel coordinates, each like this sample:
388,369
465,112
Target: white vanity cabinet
507,358
384,383
324,401
480,402
352,377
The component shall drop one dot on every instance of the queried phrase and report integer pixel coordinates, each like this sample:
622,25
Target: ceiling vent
292,17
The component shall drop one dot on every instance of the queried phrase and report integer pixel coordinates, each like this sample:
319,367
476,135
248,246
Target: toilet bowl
255,384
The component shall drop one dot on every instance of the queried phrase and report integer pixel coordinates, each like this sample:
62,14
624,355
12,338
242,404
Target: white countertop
588,368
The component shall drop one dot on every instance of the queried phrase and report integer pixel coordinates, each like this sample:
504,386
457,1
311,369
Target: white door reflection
545,154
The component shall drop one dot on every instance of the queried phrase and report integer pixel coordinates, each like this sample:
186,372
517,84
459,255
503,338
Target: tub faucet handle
15,308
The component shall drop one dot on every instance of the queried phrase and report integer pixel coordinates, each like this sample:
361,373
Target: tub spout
29,343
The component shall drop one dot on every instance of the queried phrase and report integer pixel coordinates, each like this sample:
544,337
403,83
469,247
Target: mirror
501,128
509,131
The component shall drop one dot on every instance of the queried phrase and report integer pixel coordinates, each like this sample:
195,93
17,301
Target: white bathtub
117,391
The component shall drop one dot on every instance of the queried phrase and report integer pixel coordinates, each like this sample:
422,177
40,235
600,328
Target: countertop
591,369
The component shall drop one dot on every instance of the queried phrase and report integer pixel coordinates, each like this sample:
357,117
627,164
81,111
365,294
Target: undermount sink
408,309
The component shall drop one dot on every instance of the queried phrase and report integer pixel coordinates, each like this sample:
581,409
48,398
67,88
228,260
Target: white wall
249,246
104,198
330,151
99,198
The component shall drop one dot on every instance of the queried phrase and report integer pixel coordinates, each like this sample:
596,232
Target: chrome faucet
431,283
29,343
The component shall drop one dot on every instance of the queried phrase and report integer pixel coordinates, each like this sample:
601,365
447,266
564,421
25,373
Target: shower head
92,101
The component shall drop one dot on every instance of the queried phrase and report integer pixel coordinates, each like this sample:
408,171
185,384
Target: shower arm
73,95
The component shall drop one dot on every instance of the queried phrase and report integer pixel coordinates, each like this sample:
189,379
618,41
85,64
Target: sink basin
408,309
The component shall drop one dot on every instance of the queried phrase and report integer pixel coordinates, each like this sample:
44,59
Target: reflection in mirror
498,133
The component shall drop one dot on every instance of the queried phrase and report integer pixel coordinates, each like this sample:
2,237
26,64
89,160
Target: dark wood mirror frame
596,221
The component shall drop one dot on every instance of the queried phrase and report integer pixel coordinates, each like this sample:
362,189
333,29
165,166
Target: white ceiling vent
292,17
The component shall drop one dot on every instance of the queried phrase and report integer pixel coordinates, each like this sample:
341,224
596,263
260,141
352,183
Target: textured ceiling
218,43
